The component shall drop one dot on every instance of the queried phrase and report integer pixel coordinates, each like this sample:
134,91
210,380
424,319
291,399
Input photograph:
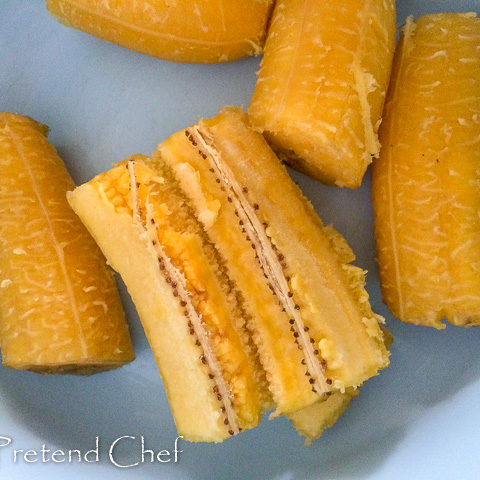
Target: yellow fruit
426,185
292,271
192,314
207,31
241,289
313,420
322,83
59,307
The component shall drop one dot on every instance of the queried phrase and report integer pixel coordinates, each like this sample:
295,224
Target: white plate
420,419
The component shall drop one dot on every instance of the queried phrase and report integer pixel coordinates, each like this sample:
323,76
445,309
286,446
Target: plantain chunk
207,31
322,83
60,311
312,421
192,314
309,314
426,185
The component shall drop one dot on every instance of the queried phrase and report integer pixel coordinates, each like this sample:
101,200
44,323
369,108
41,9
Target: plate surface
419,419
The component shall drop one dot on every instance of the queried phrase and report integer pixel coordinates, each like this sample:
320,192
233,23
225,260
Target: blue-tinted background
420,419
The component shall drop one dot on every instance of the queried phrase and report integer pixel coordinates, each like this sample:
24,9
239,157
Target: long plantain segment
60,311
270,260
322,84
426,185
248,301
206,31
194,277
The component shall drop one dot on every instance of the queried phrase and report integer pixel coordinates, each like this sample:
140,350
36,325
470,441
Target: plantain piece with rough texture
206,31
426,185
322,84
60,311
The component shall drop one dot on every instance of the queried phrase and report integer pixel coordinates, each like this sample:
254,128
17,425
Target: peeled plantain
426,185
199,31
60,311
322,83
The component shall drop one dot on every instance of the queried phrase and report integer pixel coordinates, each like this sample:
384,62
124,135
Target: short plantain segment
248,301
426,190
322,83
60,311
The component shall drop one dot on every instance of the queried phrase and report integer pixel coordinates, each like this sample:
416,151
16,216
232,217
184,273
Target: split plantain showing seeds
247,299
206,31
322,84
192,313
313,420
60,311
426,185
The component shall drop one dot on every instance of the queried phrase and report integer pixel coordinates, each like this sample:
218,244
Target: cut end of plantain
312,421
